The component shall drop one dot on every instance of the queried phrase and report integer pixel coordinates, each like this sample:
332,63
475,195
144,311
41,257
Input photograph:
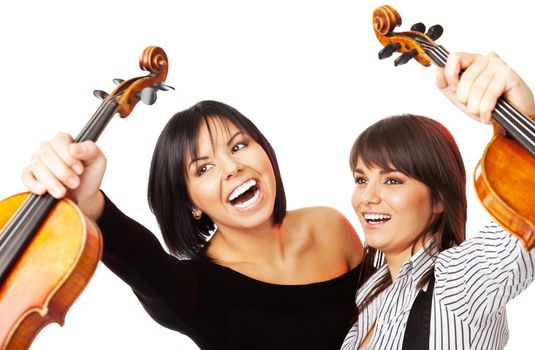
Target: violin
504,176
48,249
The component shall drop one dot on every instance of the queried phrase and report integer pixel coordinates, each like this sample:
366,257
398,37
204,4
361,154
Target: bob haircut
423,149
167,191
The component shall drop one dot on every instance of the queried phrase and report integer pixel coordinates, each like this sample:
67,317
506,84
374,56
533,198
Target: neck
260,244
395,260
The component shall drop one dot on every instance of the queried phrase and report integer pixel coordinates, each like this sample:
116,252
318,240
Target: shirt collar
419,263
415,267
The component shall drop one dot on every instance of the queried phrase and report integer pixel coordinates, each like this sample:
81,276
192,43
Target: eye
238,147
393,181
203,168
360,180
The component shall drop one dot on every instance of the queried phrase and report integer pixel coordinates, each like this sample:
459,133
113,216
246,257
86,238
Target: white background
306,72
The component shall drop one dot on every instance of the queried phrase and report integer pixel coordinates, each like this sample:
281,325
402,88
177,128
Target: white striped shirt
474,281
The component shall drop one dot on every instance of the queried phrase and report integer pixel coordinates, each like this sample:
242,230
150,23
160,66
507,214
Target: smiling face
231,179
393,208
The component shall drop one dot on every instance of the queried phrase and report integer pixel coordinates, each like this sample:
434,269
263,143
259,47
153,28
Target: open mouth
245,195
374,219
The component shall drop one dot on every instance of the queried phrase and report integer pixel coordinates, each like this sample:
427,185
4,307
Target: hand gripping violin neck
48,249
504,177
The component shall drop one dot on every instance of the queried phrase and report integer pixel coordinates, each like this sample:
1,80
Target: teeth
241,189
377,217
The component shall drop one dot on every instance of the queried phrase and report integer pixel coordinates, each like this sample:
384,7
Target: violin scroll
129,92
385,19
411,44
154,60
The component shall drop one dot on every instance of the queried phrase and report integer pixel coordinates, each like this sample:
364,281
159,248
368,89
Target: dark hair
425,150
167,192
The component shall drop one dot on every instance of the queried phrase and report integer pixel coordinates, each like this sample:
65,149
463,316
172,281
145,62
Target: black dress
219,308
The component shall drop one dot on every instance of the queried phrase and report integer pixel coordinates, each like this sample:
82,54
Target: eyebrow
229,142
238,133
382,172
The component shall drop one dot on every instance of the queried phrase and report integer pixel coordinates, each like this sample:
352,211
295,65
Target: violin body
50,274
48,249
505,184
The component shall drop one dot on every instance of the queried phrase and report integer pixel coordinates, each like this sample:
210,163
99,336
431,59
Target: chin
378,243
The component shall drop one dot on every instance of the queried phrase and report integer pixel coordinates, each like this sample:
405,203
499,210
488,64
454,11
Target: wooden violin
48,249
504,177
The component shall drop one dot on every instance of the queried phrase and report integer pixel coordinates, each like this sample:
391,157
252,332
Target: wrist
93,206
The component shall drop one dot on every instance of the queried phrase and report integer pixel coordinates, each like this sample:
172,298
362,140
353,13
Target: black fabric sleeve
165,285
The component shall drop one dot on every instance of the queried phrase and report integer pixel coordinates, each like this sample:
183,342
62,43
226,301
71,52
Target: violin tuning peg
164,87
405,57
117,81
388,50
101,95
418,27
148,95
435,31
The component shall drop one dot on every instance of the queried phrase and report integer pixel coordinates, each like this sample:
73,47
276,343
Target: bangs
216,125
168,180
388,146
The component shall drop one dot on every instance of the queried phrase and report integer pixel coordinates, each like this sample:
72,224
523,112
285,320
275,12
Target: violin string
434,57
441,55
22,214
17,231
96,124
529,123
507,111
527,141
32,201
24,230
518,121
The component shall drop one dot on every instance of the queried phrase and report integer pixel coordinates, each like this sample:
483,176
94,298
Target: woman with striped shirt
423,286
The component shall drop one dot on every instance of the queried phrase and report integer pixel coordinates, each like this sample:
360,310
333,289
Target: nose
370,194
231,167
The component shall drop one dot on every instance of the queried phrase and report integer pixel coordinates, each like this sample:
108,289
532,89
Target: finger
455,65
468,78
45,177
480,90
441,81
89,153
495,90
60,144
30,182
86,151
55,165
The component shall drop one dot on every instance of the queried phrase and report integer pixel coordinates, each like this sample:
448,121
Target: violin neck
23,226
98,122
517,125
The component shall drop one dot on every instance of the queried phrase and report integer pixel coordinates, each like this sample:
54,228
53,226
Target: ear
197,213
438,207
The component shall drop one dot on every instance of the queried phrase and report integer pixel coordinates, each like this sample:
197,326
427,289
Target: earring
196,215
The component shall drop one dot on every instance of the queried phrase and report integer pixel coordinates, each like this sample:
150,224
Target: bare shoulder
331,229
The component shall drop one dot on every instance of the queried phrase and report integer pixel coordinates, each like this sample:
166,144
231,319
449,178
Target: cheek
202,191
266,164
417,209
267,168
355,199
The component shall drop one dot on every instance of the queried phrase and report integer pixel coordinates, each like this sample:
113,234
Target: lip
373,225
256,201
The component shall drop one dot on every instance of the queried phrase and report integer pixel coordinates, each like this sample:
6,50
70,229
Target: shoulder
331,229
320,217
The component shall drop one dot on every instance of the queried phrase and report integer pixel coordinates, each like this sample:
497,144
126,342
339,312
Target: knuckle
44,145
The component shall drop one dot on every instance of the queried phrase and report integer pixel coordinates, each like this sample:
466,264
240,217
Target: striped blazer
474,281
